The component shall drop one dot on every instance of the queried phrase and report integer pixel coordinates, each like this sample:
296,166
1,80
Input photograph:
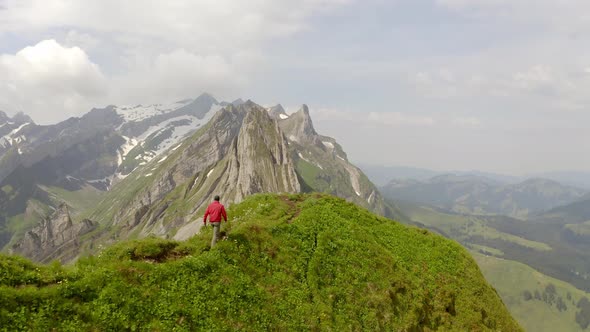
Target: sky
492,85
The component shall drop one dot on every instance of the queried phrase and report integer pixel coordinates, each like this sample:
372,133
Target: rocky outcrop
277,112
331,170
55,236
259,160
299,127
242,152
198,156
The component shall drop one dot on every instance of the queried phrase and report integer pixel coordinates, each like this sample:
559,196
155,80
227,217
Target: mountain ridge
242,150
474,194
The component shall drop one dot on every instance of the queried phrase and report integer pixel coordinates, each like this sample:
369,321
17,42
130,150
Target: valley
518,256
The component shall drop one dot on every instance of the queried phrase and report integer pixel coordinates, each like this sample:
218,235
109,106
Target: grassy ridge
540,311
295,262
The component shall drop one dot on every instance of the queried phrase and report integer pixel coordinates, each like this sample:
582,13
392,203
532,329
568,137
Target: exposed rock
237,102
243,152
277,112
55,235
188,230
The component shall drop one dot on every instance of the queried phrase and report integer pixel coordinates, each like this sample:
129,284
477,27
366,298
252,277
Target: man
215,211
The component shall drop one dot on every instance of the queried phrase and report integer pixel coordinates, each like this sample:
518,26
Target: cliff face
259,161
53,236
242,151
322,164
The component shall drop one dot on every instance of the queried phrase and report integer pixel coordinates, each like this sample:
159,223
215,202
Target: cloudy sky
493,85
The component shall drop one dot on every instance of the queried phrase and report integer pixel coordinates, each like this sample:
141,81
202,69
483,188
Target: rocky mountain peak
261,156
298,127
3,117
102,116
306,123
198,107
21,117
205,96
18,119
277,112
237,102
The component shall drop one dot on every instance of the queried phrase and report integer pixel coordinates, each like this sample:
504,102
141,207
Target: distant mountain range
474,194
381,175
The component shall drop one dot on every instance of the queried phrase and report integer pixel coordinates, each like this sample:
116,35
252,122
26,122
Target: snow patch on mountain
309,161
71,178
15,131
10,139
124,149
140,112
354,179
283,116
302,157
179,132
106,181
328,144
371,197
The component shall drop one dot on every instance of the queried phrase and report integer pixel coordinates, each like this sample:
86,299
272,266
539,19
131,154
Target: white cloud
85,41
395,119
380,119
155,51
467,122
207,24
175,75
548,16
48,76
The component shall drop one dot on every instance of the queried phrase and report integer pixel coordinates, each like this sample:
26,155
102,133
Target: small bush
527,295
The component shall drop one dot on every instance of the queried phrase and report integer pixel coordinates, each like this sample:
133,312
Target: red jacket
215,210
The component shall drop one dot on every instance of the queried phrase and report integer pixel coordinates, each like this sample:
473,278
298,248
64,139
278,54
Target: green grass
310,175
296,262
78,200
19,224
463,227
484,249
319,171
7,189
511,279
582,229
